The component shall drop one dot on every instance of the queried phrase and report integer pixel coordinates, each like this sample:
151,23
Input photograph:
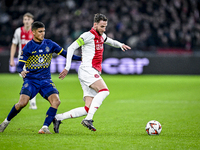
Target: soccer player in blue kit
36,56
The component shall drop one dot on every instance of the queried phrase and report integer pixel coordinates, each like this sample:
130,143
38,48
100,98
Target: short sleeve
56,48
16,36
25,53
86,37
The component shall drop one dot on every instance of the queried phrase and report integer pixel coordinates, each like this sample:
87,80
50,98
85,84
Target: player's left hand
125,47
63,74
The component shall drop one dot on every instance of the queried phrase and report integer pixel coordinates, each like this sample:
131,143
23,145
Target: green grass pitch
134,100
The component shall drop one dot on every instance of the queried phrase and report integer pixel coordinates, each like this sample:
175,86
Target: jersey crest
47,49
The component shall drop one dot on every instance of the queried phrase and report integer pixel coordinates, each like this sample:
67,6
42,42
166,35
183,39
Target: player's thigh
91,78
30,88
98,85
47,88
87,91
88,74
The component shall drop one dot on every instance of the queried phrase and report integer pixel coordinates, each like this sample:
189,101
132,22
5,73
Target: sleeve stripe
60,51
80,41
105,39
22,61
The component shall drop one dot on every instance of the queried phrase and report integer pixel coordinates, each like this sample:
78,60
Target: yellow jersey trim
23,61
60,51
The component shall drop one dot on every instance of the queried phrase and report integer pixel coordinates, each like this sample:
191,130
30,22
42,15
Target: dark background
167,32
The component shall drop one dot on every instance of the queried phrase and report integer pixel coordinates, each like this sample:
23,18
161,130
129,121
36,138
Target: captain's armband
80,41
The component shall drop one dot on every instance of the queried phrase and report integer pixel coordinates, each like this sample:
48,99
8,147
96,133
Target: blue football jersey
37,58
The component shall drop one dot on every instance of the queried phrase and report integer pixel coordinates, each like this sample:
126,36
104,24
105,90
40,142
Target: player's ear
33,31
95,25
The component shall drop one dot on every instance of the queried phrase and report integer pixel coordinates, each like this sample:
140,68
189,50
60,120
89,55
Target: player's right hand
63,74
23,73
12,63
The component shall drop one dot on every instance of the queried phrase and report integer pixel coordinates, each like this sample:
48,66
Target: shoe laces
91,121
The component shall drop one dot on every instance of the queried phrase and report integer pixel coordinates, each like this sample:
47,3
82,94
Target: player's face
27,21
101,27
39,34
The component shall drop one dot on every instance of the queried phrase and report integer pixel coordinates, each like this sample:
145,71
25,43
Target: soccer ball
153,127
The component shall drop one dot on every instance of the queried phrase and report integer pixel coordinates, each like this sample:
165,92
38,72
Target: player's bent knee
21,104
56,102
105,92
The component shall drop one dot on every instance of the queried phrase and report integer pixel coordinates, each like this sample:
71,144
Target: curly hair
98,17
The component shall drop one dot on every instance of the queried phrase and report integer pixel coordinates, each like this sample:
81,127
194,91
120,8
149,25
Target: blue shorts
33,86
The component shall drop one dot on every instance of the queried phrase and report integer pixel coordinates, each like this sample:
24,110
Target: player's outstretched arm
63,74
74,57
70,52
117,44
69,57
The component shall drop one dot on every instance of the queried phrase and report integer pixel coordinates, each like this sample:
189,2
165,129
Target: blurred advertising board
126,65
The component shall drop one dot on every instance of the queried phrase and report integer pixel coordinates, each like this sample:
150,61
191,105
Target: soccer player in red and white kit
21,37
94,88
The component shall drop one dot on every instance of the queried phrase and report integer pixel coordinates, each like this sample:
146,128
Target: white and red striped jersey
92,49
21,38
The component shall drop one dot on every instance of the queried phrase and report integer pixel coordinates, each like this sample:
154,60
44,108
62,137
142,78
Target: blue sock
50,116
12,113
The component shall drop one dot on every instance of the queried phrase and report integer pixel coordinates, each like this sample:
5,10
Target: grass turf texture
174,101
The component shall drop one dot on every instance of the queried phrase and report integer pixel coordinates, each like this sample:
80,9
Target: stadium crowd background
145,25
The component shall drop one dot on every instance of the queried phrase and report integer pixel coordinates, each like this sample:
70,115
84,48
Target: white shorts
88,75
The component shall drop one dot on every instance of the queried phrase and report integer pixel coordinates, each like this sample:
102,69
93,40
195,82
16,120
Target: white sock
33,101
44,126
6,120
77,112
96,103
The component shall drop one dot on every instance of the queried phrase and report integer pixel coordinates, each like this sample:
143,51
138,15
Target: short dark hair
98,17
37,25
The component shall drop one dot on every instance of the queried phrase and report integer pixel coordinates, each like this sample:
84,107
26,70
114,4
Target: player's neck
37,40
27,28
96,30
